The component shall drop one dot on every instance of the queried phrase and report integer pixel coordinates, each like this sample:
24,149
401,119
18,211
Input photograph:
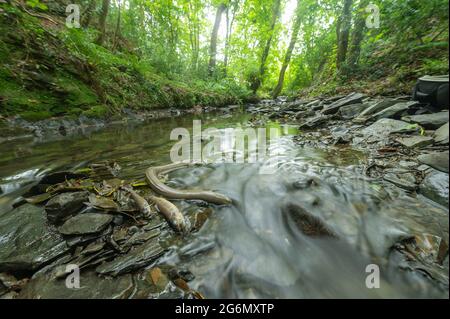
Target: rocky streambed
362,181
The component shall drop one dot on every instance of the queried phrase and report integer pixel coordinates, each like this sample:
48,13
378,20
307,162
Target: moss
35,115
97,111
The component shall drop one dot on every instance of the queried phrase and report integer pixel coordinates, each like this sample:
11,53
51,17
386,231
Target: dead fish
171,213
141,203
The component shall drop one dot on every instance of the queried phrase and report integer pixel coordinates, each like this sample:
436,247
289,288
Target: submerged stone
89,223
26,242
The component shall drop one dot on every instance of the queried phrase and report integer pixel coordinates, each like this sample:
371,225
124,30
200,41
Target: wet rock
136,258
375,108
27,243
435,187
416,141
437,160
315,122
403,180
353,98
89,223
429,121
157,278
87,238
60,177
91,287
441,135
306,222
350,111
394,111
64,205
384,127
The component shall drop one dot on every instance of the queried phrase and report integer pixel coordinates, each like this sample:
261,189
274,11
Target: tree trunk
213,45
117,32
343,29
265,54
357,37
287,57
102,22
87,14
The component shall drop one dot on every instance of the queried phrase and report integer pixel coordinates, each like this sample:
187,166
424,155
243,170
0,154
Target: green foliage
37,4
156,53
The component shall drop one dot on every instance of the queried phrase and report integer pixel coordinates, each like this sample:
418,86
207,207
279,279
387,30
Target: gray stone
315,122
437,160
353,98
441,135
350,111
64,205
377,107
429,121
405,180
136,258
384,127
435,187
394,111
83,224
26,242
416,141
92,287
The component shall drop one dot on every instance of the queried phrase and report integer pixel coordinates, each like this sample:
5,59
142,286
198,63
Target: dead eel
157,186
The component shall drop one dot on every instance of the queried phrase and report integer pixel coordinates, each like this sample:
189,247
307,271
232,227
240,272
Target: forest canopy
240,48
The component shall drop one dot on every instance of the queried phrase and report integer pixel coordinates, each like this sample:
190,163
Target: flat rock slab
83,224
136,258
350,111
384,127
438,160
394,111
441,135
91,287
416,141
353,98
376,107
435,187
64,205
26,241
428,121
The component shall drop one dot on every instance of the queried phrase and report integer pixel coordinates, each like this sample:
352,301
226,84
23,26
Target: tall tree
117,32
102,22
343,32
87,14
265,53
234,5
213,45
290,49
357,36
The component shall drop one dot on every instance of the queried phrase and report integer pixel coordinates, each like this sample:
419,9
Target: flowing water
308,230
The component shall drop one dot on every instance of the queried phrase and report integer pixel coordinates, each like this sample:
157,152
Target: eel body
157,186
